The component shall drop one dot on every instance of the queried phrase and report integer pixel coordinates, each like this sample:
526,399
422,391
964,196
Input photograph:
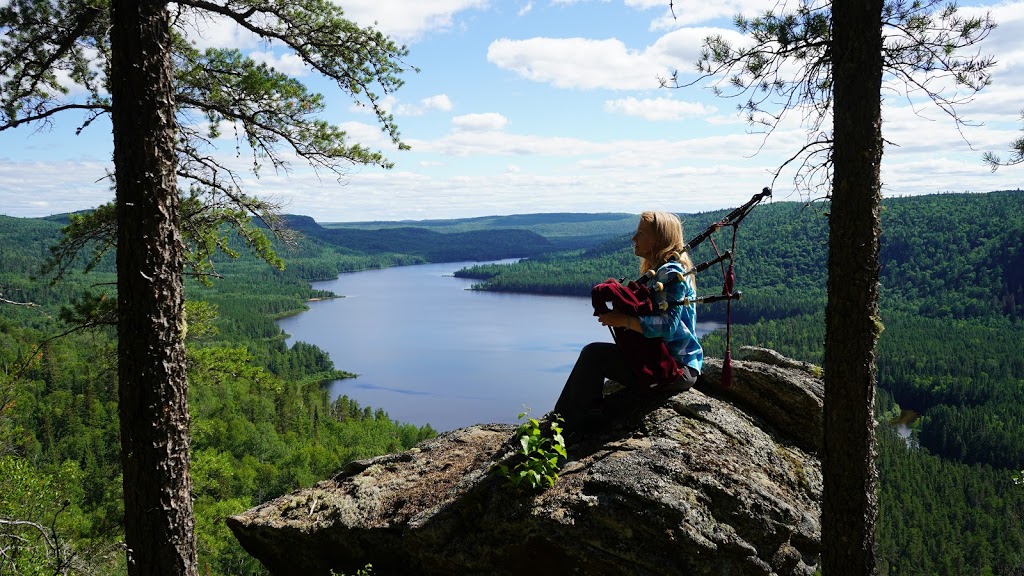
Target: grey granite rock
703,482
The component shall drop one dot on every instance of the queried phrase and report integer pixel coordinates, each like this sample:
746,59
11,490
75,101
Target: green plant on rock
539,456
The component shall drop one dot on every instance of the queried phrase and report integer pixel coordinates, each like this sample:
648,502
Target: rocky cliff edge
710,481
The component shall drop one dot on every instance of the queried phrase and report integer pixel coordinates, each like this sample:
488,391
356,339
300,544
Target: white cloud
468,173
389,103
403,195
482,143
614,183
533,149
943,175
1004,42
44,187
439,102
369,135
691,12
656,109
681,48
526,8
590,64
577,62
726,120
287,63
648,4
625,160
401,19
929,132
488,121
212,31
405,19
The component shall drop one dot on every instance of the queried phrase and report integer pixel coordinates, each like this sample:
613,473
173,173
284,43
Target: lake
430,351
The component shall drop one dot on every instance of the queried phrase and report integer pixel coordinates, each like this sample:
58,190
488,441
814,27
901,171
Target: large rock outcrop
703,482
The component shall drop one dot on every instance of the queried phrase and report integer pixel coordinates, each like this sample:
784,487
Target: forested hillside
563,230
430,245
262,423
952,292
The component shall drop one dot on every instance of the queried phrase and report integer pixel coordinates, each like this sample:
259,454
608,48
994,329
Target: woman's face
643,240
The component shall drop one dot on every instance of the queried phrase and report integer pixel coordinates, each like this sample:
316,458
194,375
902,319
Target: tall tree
133,61
842,51
852,324
152,385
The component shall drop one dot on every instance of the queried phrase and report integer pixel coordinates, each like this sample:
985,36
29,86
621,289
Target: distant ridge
434,246
564,230
519,220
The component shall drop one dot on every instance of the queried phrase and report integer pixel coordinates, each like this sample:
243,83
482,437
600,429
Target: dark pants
582,393
583,389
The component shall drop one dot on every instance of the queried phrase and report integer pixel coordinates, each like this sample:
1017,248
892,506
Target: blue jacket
677,326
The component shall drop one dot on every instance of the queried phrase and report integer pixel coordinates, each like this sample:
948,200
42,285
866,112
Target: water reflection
903,427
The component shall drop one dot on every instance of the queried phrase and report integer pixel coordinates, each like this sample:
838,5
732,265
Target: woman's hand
619,320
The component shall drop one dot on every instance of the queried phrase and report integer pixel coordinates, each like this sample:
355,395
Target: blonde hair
668,242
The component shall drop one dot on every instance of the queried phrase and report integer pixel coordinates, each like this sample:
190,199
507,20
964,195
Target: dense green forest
488,238
951,351
262,424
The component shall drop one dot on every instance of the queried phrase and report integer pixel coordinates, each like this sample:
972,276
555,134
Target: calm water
429,351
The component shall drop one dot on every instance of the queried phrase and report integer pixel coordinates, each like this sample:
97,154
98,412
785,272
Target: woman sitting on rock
659,244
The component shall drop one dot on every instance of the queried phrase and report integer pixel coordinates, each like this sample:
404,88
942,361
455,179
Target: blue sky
547,106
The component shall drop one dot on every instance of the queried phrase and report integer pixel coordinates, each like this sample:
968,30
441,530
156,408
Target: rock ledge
704,482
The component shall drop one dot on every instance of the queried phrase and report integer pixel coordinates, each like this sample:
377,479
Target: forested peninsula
949,365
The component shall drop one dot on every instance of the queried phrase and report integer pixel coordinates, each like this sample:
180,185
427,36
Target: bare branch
50,112
61,558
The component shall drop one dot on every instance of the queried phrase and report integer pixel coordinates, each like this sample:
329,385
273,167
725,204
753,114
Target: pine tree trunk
852,325
153,391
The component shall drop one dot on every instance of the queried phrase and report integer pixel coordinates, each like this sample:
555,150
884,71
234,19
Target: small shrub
539,456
